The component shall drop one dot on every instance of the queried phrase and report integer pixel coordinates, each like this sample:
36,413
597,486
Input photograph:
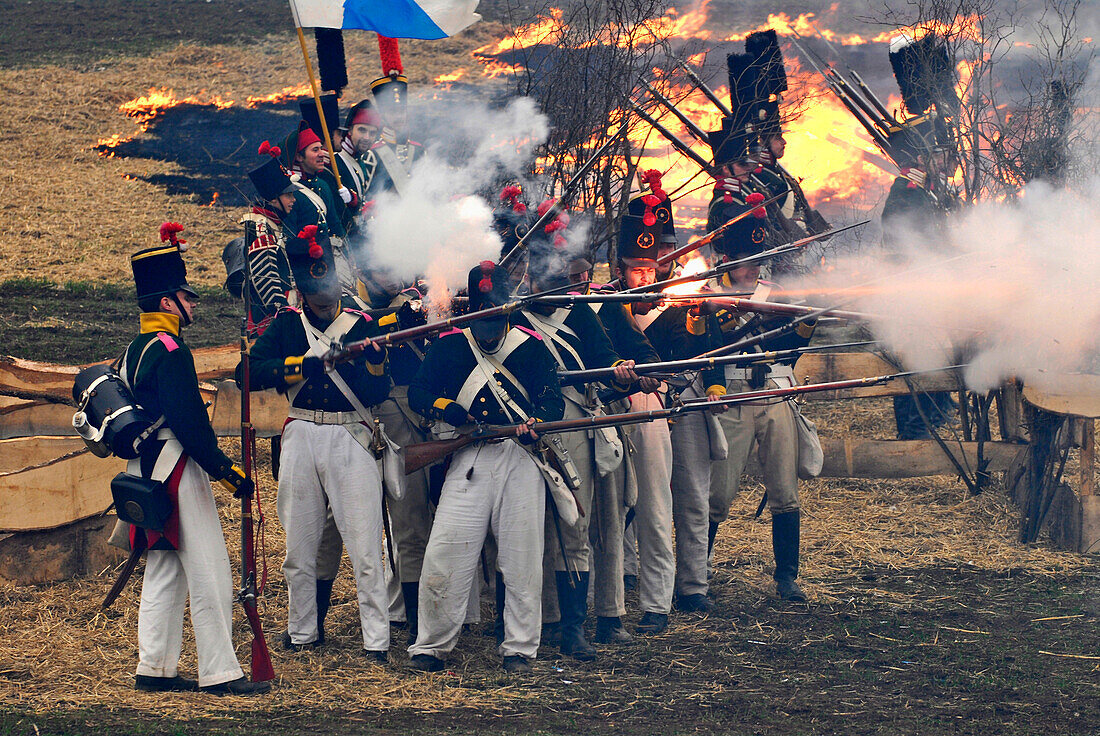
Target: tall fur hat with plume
390,90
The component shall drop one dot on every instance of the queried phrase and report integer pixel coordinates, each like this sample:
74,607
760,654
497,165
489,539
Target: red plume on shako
486,283
169,232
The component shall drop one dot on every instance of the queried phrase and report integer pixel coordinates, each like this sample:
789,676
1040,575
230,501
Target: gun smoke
1009,287
437,227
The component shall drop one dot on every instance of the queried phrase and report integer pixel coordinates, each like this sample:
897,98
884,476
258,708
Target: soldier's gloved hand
408,317
455,415
236,481
345,195
525,433
312,367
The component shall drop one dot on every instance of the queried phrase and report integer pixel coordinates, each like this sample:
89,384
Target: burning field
926,614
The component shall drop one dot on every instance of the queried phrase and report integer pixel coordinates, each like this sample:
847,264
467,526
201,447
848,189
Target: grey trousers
653,512
606,537
691,484
772,427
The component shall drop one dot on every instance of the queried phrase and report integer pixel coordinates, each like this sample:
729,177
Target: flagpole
316,95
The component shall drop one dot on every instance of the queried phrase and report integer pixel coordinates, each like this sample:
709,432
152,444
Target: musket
831,74
863,87
567,193
731,265
873,129
340,352
262,671
678,144
702,86
779,309
691,364
616,297
695,130
422,454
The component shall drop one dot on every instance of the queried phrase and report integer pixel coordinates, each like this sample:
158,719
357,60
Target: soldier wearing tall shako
189,561
389,163
769,425
577,340
352,178
920,198
330,447
666,329
494,373
771,178
269,277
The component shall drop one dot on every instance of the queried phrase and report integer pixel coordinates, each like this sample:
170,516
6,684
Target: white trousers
653,512
505,493
199,568
324,467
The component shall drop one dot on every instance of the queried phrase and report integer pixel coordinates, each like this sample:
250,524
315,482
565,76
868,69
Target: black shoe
630,582
380,656
609,630
652,623
165,684
785,542
289,644
551,634
515,664
426,663
324,602
788,590
694,603
240,686
410,592
573,602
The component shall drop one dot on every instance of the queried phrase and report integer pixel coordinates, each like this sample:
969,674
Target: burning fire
451,77
696,264
145,109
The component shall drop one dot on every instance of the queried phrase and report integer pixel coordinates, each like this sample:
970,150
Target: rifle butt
262,670
422,454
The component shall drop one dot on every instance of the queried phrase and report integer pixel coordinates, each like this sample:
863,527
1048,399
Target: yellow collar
159,322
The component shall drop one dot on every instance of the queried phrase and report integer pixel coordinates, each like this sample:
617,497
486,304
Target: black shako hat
312,262
330,105
637,244
270,179
160,271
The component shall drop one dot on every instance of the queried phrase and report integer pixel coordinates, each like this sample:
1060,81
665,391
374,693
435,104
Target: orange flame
285,93
451,76
696,264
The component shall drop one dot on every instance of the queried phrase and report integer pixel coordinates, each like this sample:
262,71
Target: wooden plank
211,364
80,548
20,418
855,457
1077,394
268,410
38,491
827,367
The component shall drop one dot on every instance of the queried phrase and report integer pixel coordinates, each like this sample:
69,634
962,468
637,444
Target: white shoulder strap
550,330
487,366
356,172
398,174
318,344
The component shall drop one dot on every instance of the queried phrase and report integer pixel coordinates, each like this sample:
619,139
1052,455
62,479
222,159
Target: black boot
712,532
785,532
324,601
498,625
609,630
411,593
573,601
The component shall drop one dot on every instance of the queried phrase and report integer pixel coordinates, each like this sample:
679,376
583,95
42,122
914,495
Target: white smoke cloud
438,228
1009,287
